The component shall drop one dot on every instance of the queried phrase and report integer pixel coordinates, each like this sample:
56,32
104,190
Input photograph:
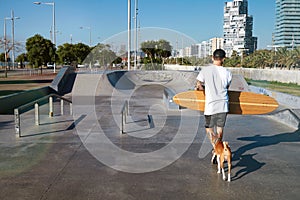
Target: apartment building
287,23
238,27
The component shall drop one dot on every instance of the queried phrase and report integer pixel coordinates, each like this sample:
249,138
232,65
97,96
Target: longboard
244,103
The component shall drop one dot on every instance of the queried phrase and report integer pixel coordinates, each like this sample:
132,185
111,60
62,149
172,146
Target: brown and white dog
223,152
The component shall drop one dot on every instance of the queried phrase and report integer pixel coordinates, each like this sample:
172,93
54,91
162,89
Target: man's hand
199,86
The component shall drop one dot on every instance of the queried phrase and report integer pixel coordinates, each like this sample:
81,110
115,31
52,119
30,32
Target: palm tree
293,58
283,56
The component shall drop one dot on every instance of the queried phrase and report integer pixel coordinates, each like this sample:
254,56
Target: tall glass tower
287,24
237,27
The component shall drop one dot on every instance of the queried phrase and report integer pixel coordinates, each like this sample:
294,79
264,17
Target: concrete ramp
124,80
178,80
124,83
121,82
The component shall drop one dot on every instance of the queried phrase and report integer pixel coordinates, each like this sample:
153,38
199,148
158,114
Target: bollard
17,123
127,108
122,125
124,113
36,114
71,109
50,107
61,107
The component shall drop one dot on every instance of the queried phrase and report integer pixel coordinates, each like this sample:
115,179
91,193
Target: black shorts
215,120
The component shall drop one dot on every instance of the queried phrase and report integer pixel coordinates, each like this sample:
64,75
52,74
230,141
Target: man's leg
212,138
221,124
209,128
210,134
220,132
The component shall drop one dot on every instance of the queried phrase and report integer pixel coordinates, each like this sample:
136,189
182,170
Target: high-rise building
237,27
287,24
216,43
194,50
206,48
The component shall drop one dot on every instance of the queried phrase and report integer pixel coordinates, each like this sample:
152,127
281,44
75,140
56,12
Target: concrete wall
179,67
284,76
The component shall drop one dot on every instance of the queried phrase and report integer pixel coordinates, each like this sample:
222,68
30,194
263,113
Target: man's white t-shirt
216,80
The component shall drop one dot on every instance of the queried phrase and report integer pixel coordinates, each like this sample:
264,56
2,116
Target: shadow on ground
247,161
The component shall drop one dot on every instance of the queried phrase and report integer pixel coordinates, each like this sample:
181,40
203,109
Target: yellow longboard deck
244,103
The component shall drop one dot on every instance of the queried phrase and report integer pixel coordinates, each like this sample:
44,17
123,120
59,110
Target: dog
223,152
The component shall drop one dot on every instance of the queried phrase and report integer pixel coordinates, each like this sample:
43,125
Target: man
215,81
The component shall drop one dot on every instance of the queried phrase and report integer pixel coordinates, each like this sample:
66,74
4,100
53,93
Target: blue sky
200,19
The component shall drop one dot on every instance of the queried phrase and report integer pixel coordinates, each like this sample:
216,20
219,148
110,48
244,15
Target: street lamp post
13,18
135,34
129,34
53,25
89,28
5,41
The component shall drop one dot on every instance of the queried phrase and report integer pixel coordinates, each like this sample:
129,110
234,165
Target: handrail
25,106
124,114
21,109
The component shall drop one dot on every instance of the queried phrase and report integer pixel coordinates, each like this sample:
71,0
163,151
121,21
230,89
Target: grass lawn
288,88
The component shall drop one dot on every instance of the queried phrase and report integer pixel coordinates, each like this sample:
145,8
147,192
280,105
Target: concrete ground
54,160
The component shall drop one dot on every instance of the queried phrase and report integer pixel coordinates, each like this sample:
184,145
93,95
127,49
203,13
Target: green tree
261,58
2,57
163,48
81,51
282,57
233,61
73,53
22,58
66,53
156,51
102,55
40,50
293,58
149,48
106,57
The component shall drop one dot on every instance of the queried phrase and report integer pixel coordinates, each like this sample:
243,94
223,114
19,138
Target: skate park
118,135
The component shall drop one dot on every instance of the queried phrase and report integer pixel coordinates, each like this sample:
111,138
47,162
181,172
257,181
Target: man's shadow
247,161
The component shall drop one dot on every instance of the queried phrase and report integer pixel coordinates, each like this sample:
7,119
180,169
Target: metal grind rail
124,115
35,104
